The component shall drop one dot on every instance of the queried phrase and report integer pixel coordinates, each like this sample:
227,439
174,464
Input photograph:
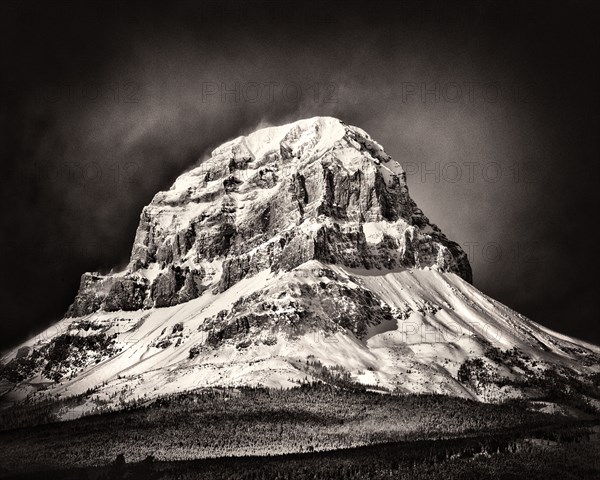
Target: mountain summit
294,253
316,189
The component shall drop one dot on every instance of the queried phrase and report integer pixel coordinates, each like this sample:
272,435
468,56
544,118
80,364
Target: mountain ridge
289,252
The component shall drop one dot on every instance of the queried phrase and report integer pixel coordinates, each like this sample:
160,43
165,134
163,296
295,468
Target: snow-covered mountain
290,249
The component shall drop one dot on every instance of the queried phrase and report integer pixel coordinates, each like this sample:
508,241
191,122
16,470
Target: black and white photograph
299,240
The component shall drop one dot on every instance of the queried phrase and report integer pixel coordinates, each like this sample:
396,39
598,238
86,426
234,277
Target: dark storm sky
492,108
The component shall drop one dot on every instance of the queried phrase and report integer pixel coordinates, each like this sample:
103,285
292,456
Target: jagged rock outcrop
330,305
176,285
90,296
315,189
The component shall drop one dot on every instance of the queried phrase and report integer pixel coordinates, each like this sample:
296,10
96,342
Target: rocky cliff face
315,189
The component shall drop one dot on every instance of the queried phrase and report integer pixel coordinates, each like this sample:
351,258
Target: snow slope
441,321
